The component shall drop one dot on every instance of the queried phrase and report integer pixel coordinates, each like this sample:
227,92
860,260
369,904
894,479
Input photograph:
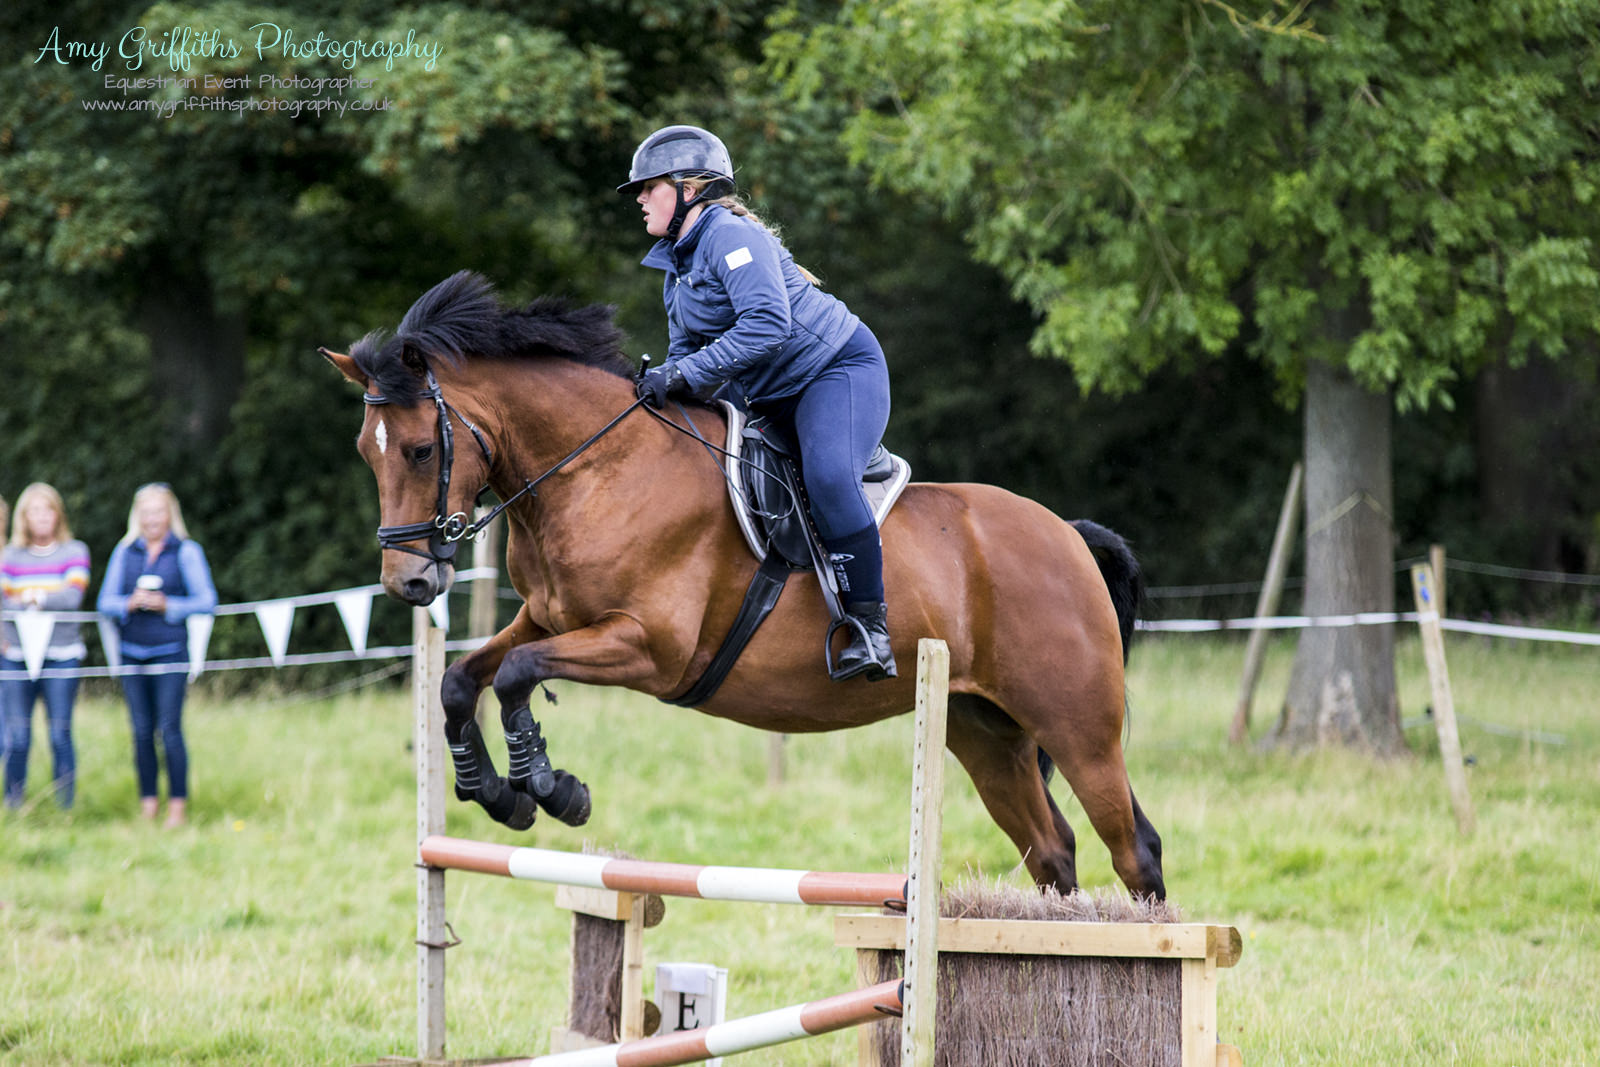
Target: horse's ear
346,365
414,359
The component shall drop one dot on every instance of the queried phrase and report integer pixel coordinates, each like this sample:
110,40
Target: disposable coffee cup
152,582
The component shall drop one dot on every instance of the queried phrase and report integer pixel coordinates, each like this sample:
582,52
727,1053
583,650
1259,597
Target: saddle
769,501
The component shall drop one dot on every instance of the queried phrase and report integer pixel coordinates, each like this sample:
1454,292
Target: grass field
278,927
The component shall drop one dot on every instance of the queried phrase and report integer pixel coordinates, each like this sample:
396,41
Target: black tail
1121,572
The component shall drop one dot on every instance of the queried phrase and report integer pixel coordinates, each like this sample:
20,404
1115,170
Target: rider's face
659,199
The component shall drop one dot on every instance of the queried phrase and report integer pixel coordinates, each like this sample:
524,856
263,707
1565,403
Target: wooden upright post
1444,707
1266,604
922,883
428,743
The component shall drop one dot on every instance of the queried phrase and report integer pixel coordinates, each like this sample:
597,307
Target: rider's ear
346,366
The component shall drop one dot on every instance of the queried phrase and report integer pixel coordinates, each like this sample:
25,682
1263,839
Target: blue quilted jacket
741,318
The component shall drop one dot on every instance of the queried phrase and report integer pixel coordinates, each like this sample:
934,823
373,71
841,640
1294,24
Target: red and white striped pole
737,1035
764,885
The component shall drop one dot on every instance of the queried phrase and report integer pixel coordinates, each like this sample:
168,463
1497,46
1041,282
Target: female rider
748,324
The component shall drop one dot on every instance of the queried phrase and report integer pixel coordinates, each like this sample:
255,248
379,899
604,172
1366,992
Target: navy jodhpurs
837,421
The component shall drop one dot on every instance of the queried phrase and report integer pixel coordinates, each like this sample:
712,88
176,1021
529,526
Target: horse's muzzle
419,586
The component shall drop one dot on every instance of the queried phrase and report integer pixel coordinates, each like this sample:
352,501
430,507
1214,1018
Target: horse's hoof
568,800
524,812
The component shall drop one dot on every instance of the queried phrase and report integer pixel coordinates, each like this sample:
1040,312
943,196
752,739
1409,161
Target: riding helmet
678,152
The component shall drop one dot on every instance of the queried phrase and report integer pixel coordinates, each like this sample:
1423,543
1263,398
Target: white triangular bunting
199,640
355,608
110,642
33,628
440,610
276,616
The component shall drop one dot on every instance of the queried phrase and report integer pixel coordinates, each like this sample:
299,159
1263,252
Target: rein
446,529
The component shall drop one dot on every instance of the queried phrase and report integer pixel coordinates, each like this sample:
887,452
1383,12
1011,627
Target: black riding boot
868,651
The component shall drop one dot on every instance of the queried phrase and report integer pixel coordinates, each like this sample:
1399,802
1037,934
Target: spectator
156,578
42,569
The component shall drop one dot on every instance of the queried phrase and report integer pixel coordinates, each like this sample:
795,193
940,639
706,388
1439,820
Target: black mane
461,318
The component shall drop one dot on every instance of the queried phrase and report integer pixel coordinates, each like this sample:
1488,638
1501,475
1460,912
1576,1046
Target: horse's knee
519,672
458,692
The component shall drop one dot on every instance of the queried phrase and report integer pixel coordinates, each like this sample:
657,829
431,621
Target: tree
1373,205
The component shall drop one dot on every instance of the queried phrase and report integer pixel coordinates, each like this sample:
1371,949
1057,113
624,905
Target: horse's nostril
417,590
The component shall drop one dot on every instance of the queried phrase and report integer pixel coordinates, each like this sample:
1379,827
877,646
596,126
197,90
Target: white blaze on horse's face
382,436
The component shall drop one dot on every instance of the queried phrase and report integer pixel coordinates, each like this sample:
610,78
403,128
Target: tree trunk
197,356
1342,690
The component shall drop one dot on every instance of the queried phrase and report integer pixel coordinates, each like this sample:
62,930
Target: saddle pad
882,491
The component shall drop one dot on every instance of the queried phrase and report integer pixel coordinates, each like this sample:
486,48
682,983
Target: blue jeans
155,705
18,697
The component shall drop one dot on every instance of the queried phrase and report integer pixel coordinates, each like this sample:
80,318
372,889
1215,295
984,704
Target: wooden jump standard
737,1035
760,885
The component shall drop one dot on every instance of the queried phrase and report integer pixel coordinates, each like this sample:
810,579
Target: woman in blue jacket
157,577
747,323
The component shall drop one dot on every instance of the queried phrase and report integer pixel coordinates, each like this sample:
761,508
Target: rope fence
276,619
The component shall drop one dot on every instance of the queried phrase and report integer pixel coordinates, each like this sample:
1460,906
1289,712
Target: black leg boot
868,651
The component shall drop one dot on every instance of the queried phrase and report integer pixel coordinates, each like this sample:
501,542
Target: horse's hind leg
1099,779
1003,763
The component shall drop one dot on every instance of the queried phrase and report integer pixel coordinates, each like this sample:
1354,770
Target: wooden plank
632,1022
1444,707
1267,604
1031,937
599,903
921,927
1197,1017
428,745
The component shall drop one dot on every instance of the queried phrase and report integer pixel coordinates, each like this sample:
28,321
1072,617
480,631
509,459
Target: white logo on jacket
738,258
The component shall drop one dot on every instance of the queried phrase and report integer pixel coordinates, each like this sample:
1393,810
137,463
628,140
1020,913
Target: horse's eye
423,454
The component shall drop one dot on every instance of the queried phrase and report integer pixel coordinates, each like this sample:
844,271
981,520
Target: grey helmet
678,152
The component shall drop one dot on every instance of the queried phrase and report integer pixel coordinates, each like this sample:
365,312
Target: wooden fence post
428,743
1267,604
1444,708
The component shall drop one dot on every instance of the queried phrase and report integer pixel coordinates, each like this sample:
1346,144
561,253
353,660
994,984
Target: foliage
1408,190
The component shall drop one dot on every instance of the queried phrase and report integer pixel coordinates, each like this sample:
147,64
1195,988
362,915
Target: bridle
446,529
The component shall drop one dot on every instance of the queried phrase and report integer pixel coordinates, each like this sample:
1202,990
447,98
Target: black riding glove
661,383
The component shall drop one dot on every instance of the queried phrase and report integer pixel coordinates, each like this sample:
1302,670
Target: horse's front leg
476,778
610,651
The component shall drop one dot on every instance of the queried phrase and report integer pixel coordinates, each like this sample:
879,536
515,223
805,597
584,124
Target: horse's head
426,487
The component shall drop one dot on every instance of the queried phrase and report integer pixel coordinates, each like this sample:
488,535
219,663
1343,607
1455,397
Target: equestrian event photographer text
179,47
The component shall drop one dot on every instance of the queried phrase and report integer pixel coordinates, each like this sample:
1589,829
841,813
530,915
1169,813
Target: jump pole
737,1035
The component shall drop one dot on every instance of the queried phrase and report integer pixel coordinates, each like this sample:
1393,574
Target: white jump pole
737,1035
760,885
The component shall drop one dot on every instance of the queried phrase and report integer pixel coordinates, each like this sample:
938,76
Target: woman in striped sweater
43,569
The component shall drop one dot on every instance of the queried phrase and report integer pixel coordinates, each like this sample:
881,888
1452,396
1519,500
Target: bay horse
625,550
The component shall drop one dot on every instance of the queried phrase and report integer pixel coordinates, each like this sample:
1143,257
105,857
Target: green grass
278,927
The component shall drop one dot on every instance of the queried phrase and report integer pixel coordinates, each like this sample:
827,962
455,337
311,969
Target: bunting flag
276,616
440,610
355,608
199,627
34,629
110,641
